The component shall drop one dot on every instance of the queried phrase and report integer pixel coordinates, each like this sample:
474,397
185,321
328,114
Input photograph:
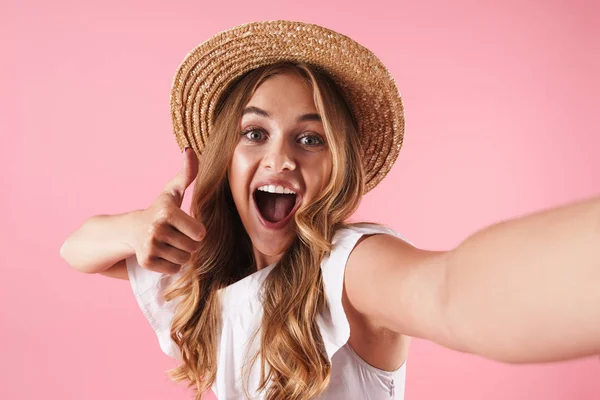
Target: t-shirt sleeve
333,323
148,287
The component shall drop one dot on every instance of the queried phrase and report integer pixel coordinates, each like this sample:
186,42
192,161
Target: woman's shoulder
148,288
369,247
334,325
353,232
345,238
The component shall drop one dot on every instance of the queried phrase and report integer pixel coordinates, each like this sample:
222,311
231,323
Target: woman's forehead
283,91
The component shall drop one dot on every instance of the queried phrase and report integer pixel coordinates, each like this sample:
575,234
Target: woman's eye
253,135
311,140
258,135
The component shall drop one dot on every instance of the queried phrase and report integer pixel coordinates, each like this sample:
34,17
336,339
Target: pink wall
502,119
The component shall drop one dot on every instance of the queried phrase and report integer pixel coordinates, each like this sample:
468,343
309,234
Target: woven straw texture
367,85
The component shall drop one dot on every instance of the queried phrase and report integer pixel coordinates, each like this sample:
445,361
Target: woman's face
282,148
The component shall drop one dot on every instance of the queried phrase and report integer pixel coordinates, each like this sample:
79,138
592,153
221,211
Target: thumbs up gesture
164,235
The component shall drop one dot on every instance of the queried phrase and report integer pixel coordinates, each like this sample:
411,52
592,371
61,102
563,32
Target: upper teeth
275,189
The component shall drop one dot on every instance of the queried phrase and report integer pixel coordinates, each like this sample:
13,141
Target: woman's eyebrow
310,117
260,111
255,110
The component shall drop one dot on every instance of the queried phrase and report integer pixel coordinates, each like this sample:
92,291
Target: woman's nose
279,157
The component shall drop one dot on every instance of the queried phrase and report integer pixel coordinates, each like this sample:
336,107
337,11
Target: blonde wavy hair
291,343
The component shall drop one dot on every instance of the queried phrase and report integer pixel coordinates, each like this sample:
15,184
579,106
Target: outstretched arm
524,290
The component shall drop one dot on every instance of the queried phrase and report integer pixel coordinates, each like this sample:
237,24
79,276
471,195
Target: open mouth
275,207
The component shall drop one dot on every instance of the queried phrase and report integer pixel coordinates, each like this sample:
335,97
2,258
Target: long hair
293,361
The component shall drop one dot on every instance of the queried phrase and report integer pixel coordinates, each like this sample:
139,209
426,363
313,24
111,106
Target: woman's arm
162,236
528,290
100,242
524,290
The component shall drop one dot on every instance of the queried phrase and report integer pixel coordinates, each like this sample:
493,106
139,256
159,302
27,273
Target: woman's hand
164,235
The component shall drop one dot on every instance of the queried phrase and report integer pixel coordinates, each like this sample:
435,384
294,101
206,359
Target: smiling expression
282,143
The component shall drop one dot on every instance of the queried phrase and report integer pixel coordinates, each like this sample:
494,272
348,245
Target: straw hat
365,82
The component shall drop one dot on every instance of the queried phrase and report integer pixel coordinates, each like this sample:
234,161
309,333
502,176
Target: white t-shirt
351,376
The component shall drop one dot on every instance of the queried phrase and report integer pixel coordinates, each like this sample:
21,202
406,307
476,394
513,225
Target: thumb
184,178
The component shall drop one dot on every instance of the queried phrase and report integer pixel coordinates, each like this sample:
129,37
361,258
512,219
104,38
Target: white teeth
275,189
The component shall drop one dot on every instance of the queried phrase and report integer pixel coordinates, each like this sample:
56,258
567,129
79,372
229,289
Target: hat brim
365,82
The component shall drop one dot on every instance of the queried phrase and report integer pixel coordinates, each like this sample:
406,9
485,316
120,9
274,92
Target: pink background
502,119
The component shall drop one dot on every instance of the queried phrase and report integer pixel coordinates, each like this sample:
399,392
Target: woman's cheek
243,158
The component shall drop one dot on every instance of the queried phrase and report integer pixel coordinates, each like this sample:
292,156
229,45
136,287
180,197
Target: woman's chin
272,248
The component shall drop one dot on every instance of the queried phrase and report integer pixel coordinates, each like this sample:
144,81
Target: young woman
266,291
